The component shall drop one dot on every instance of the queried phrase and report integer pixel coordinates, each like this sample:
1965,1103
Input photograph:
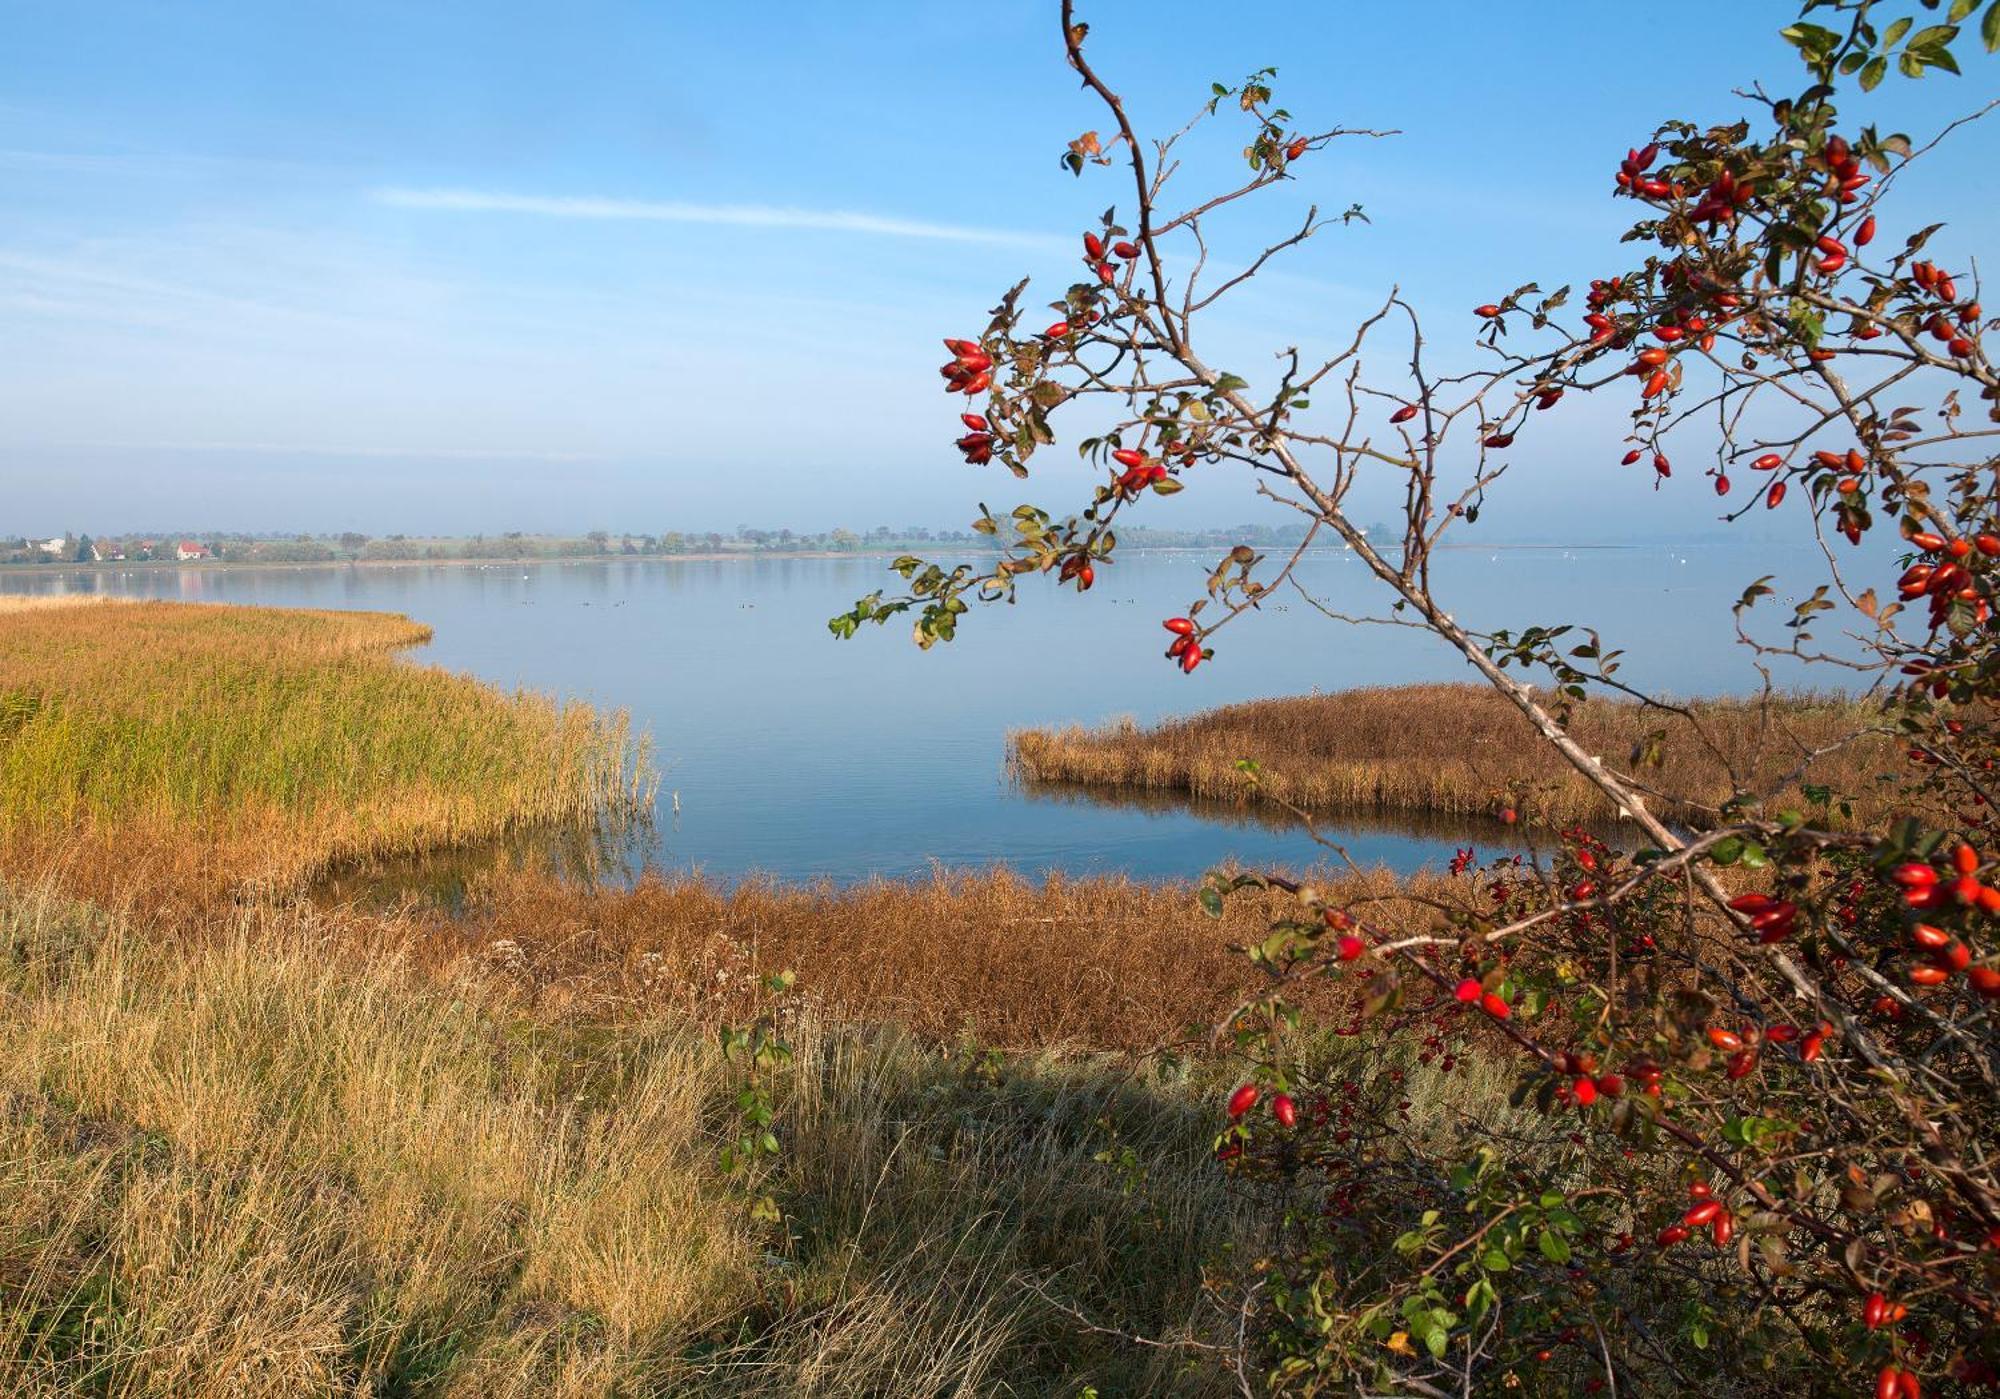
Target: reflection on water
606,854
1487,834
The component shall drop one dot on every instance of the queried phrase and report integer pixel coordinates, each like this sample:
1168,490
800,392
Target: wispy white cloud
318,449
468,201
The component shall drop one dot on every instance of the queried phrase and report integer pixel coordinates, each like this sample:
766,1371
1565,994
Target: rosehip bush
1742,1075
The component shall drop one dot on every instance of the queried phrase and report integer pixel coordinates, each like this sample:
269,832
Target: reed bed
254,746
43,602
1464,750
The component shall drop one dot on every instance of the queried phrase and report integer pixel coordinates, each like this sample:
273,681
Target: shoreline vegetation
1464,750
194,750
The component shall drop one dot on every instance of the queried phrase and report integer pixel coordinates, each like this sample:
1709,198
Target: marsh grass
233,747
1099,963
1464,750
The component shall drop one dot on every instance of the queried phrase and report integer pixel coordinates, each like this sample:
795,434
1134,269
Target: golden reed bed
191,748
1463,750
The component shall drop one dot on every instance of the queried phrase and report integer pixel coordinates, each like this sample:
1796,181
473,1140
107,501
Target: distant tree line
69,549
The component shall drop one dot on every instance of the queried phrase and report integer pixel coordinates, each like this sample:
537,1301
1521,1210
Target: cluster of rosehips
1878,1311
1094,252
1138,474
1185,648
970,369
1773,920
977,444
1957,340
1471,990
1632,176
1584,1084
1892,1382
1282,1106
1845,177
1603,330
1745,1045
1706,1212
1848,470
1944,955
1719,202
1947,580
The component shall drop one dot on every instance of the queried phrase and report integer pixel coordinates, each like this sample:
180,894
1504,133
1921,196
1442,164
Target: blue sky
457,267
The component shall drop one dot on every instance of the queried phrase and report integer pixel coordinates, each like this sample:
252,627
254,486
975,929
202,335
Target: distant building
57,546
188,552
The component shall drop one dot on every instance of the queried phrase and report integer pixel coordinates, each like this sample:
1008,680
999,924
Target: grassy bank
278,1159
1462,749
250,1167
191,748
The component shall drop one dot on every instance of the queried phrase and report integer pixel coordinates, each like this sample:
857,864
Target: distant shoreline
29,570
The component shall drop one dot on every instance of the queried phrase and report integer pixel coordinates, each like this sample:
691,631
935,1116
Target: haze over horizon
468,269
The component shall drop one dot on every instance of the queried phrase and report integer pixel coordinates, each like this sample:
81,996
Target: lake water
800,757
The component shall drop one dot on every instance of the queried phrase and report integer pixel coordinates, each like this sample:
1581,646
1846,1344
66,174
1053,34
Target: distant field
197,747
1463,750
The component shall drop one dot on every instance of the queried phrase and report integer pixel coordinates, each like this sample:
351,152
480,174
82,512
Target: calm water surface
801,757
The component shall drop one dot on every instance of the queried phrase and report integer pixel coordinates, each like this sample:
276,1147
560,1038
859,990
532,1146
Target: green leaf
1554,1247
1960,9
1494,1261
1895,32
1211,902
1989,26
1878,68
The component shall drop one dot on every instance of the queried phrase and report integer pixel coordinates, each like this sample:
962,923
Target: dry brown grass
283,1158
1462,749
1098,963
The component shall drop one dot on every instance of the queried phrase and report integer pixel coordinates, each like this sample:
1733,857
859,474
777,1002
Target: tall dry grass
281,1160
1101,963
43,602
1462,749
220,745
